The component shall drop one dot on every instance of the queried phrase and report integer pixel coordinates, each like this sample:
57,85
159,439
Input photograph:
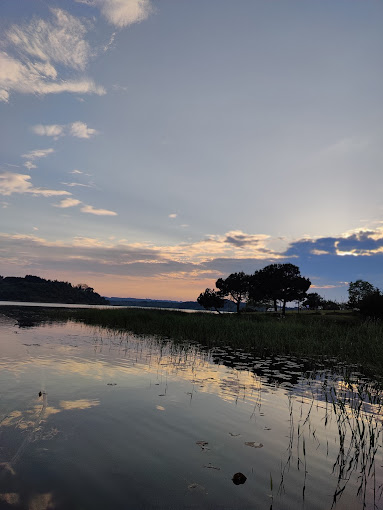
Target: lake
92,419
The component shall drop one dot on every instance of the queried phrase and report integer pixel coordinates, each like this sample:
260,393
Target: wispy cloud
77,129
172,216
39,46
29,165
37,153
89,209
11,183
68,202
121,13
98,212
79,184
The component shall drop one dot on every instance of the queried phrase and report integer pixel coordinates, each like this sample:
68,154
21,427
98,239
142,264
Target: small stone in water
239,478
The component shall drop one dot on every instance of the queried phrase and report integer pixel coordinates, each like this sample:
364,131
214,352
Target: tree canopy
211,299
235,286
358,291
279,282
273,283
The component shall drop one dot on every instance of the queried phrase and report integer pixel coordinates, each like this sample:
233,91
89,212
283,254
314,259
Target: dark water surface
124,422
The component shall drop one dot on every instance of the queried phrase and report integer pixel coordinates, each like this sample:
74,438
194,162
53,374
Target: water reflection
121,420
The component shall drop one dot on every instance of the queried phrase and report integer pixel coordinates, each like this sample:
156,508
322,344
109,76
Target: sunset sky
149,147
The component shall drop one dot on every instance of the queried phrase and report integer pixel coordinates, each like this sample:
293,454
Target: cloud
121,13
54,130
73,184
173,215
39,46
19,183
60,40
29,165
37,153
76,172
68,202
98,212
77,129
81,130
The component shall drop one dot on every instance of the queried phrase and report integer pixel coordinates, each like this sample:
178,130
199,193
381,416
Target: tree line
278,284
35,289
267,287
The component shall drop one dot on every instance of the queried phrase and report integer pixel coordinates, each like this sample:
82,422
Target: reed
345,337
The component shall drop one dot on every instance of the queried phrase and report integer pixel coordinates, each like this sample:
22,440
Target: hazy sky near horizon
149,147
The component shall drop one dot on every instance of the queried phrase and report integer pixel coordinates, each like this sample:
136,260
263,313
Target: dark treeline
278,284
266,288
36,289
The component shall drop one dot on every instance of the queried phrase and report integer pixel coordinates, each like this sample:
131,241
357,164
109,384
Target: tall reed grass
345,337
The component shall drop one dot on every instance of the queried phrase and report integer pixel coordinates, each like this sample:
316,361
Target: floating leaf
253,444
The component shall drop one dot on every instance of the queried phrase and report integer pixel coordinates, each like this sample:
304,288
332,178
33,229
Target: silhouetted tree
313,301
331,305
372,305
235,286
358,291
279,282
211,299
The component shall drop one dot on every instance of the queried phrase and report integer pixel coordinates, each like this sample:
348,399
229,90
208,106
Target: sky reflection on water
119,418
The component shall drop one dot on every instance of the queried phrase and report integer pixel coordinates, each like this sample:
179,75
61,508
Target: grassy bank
336,335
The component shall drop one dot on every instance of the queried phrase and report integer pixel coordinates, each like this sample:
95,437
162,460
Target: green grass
339,335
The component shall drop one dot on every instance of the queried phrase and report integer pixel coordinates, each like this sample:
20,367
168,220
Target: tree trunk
284,307
238,303
275,305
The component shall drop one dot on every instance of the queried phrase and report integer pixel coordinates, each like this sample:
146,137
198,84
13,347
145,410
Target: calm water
124,422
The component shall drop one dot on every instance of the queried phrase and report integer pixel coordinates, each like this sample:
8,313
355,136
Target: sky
149,147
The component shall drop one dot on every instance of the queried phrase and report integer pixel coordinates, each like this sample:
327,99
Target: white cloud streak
37,153
68,202
11,183
98,212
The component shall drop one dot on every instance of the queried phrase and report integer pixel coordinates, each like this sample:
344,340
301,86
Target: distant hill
161,303
37,290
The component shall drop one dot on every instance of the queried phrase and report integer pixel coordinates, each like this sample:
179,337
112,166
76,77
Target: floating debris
210,466
111,384
234,435
253,444
239,478
196,487
203,445
162,395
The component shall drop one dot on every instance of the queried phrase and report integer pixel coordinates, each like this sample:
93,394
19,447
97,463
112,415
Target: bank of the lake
341,335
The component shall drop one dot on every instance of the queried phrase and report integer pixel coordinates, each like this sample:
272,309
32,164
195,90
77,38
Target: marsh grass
343,336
